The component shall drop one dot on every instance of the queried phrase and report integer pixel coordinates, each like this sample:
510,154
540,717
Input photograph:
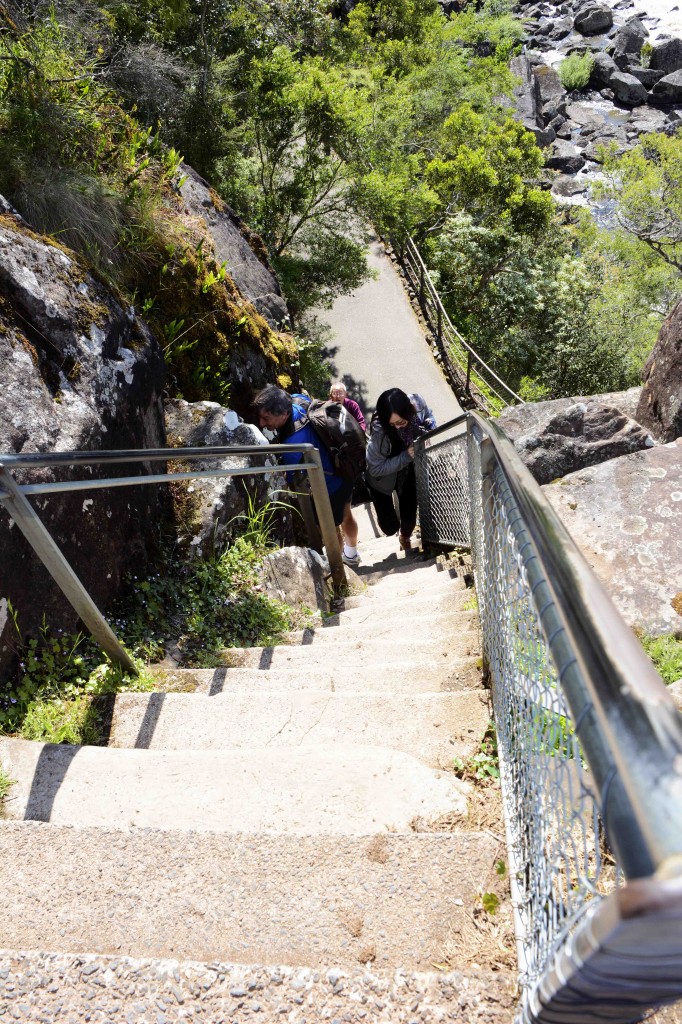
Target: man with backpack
336,435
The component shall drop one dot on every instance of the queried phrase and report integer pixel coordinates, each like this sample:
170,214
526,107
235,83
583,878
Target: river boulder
629,39
666,56
79,372
660,406
602,69
628,89
669,88
593,19
565,157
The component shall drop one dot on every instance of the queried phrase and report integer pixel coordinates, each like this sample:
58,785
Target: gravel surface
110,990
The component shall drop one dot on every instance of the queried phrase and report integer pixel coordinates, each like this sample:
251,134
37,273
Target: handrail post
35,532
421,286
324,514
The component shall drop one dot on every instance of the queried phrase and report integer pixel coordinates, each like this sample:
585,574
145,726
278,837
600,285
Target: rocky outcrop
626,517
209,511
660,406
242,252
78,372
580,435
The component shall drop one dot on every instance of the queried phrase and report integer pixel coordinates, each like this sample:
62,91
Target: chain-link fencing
574,742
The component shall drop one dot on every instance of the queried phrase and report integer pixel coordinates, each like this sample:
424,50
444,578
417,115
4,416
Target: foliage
575,70
203,606
483,766
645,183
52,696
260,521
666,654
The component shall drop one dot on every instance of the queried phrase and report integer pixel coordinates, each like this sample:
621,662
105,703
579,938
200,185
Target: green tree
645,186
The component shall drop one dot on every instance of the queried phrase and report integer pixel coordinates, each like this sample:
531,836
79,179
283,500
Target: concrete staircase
280,838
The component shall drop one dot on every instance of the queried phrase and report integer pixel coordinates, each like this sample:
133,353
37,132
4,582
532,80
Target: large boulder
524,95
565,157
243,253
533,417
626,517
628,89
593,19
583,434
660,406
549,91
209,511
79,371
669,88
630,38
602,69
666,56
297,576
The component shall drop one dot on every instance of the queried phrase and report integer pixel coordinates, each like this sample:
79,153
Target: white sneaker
350,559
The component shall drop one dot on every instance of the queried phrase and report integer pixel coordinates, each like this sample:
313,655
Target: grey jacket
382,467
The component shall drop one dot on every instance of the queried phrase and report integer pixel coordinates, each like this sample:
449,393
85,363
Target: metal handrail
508,396
631,717
13,496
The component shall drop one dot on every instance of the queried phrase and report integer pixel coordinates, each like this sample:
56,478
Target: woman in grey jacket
398,420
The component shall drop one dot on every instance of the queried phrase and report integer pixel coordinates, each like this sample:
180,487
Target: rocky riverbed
635,86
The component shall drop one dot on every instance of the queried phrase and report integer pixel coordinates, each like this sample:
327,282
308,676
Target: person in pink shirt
349,526
338,393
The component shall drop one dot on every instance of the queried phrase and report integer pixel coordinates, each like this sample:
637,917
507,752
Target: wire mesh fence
442,487
558,857
558,860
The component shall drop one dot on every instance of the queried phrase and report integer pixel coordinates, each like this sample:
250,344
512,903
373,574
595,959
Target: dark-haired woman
398,420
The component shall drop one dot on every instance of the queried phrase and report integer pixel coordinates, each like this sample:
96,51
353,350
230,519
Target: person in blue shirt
276,411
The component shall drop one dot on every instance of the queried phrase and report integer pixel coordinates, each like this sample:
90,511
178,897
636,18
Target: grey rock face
628,89
252,275
669,88
216,502
667,56
660,407
297,577
581,435
79,372
626,517
593,19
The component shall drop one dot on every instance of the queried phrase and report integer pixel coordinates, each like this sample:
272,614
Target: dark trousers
389,522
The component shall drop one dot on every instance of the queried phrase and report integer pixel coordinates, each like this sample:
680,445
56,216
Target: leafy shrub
575,70
52,696
202,607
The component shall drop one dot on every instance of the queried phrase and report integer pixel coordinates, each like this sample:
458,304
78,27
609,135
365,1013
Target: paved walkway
378,343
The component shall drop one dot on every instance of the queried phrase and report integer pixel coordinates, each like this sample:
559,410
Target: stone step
59,986
399,613
434,651
395,677
434,728
421,629
393,592
302,790
394,900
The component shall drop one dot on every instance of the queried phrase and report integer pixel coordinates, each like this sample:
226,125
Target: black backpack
340,433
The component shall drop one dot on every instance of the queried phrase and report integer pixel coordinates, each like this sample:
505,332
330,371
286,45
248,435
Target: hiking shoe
405,542
350,559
